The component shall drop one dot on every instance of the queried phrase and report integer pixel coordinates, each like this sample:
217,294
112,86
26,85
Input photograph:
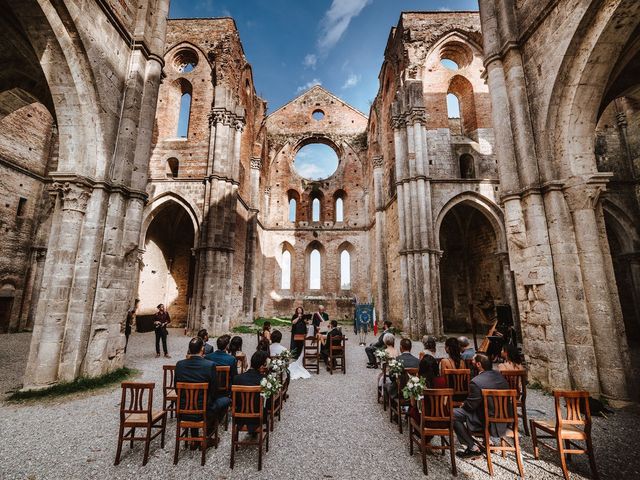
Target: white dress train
296,370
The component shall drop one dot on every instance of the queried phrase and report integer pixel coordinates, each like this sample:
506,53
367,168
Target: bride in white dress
296,370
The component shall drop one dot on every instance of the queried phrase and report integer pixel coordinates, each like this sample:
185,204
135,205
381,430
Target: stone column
248,290
52,312
382,287
611,363
32,288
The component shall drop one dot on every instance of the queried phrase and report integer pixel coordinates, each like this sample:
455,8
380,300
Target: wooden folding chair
223,381
247,405
436,420
337,348
311,360
382,393
191,412
458,380
567,430
517,380
505,411
169,395
136,411
397,402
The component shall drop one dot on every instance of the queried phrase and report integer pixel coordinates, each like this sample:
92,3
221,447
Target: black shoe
372,365
469,454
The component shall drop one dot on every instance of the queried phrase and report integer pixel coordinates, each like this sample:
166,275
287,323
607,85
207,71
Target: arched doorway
168,265
471,269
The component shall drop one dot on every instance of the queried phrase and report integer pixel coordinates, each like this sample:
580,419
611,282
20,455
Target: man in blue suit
221,358
196,369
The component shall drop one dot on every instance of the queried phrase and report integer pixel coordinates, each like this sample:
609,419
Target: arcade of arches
485,172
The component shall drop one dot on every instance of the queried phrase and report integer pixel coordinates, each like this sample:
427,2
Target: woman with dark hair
235,350
512,360
454,356
298,327
266,332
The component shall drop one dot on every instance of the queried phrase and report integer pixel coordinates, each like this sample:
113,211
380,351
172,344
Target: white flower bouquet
414,388
270,386
395,367
381,354
278,365
286,355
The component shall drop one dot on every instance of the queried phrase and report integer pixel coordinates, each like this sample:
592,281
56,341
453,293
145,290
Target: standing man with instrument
161,321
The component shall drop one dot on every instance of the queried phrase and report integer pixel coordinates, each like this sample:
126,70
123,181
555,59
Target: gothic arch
158,204
177,46
489,209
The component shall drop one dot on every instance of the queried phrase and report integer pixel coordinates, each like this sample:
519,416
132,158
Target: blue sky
294,44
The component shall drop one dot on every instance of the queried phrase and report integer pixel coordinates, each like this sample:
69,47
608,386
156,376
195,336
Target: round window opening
185,60
315,161
317,114
449,64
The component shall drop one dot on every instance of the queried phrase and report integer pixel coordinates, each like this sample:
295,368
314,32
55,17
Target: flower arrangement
395,367
414,388
270,386
286,355
278,365
381,354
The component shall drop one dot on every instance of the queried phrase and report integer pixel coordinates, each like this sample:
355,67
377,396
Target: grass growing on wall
82,384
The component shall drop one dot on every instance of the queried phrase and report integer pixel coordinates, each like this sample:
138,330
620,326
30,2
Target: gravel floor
331,427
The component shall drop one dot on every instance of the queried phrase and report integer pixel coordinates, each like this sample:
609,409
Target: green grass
275,321
245,329
82,384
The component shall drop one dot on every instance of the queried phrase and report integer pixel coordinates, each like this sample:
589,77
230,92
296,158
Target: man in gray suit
408,361
470,417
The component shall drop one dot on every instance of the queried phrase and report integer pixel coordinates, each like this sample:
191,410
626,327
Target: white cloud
308,85
352,81
310,60
336,21
444,9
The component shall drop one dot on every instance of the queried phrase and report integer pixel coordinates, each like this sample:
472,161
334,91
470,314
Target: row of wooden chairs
436,420
336,357
136,411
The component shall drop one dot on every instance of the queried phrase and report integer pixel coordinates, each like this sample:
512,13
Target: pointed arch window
345,270
467,169
315,269
173,166
453,106
184,114
285,281
315,210
292,210
339,209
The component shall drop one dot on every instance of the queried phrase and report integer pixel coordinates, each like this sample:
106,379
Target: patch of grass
82,384
244,329
275,321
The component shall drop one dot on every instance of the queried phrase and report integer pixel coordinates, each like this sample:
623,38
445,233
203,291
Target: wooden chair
192,402
517,380
136,411
275,408
241,361
169,395
223,377
397,402
436,420
247,404
458,380
569,428
337,349
311,360
505,410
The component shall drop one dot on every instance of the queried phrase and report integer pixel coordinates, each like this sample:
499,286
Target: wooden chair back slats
169,376
437,405
517,380
136,398
246,402
458,379
504,404
223,374
577,411
192,398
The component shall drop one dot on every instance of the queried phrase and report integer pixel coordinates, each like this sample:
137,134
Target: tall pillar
52,313
382,287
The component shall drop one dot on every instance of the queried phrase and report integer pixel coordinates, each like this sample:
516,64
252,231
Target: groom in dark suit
471,415
252,378
334,332
373,361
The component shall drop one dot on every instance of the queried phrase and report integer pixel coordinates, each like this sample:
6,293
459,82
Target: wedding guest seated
389,340
512,360
407,359
276,347
204,335
470,416
264,346
373,361
235,350
222,358
467,352
196,369
334,332
252,378
429,367
454,358
266,331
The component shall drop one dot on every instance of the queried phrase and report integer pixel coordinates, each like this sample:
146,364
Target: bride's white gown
296,370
